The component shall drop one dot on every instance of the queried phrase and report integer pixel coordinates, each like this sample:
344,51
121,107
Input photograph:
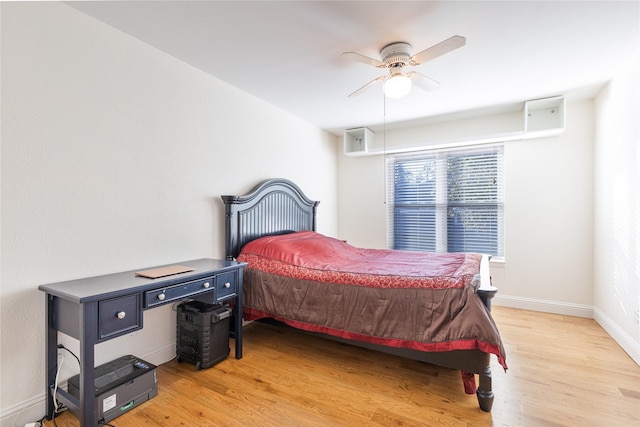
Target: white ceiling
288,53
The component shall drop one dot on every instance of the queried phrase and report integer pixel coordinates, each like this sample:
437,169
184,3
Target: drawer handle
121,315
161,296
227,285
206,285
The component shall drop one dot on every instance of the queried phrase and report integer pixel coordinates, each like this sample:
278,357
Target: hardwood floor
563,371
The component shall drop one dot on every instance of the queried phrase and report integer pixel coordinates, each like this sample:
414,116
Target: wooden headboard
274,206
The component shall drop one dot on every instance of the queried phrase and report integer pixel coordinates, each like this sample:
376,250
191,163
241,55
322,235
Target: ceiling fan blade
423,82
367,86
364,59
436,50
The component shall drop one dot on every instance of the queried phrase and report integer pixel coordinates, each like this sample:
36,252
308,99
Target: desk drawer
226,285
177,292
119,316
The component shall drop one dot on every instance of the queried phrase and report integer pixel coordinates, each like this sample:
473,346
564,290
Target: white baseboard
579,310
545,306
631,347
161,355
29,411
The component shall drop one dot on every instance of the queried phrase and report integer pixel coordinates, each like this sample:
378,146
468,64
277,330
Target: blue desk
97,309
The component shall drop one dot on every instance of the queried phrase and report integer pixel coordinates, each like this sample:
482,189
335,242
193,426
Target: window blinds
447,201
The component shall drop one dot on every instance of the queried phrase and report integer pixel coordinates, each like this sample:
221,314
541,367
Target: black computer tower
202,333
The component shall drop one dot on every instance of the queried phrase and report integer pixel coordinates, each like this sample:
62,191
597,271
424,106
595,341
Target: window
447,201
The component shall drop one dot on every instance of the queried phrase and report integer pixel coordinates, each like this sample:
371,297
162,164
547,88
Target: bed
434,308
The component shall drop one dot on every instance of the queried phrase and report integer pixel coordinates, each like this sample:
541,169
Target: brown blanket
426,318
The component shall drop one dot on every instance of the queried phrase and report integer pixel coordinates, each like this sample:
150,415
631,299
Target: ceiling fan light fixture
397,85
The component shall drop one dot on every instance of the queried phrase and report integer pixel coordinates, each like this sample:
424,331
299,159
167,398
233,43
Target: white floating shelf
541,118
357,141
544,117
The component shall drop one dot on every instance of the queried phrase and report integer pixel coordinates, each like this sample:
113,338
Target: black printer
120,385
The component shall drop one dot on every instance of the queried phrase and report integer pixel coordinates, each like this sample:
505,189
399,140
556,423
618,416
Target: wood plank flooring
563,371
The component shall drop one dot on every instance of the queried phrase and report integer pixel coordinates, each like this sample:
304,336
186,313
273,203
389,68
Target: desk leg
238,317
51,356
88,327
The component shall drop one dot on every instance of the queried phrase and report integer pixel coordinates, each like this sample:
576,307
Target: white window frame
441,192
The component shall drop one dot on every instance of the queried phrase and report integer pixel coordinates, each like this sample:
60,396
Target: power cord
38,423
60,346
59,407
55,387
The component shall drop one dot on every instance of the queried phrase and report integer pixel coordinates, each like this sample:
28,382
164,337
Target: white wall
548,209
617,209
549,219
114,156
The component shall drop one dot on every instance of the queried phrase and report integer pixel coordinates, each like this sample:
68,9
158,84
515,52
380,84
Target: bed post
486,295
230,225
485,392
486,291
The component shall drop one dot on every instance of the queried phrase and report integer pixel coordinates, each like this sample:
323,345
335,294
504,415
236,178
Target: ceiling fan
396,56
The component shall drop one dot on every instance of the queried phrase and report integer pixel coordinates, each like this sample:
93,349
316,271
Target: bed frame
278,205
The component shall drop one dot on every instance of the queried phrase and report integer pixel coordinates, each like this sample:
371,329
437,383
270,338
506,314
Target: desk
97,309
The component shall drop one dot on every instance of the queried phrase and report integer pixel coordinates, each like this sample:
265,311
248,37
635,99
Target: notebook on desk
155,273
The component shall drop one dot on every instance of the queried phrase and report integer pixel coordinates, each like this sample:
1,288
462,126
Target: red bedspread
417,300
308,255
